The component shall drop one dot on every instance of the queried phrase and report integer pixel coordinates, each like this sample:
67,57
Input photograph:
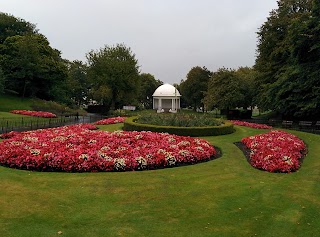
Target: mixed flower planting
81,148
275,151
34,113
113,120
251,125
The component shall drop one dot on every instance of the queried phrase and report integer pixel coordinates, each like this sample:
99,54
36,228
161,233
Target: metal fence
24,124
305,126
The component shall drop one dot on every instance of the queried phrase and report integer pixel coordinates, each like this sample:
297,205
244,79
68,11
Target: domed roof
166,90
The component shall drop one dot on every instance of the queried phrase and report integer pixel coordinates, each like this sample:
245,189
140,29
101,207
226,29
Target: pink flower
275,151
110,121
251,125
80,148
34,113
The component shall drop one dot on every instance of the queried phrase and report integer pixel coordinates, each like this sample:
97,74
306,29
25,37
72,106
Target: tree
78,84
148,84
195,85
248,86
2,81
288,59
32,67
114,74
11,26
225,90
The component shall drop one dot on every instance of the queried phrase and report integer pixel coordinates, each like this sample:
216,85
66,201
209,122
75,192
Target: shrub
131,124
180,120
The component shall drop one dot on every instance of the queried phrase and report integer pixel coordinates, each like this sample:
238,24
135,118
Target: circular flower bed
78,148
275,151
34,113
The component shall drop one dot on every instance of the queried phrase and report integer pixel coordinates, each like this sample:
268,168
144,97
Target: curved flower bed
76,148
110,121
275,151
34,113
251,125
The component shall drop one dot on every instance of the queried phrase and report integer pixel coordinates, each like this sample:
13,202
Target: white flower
119,164
142,163
287,159
184,153
84,156
139,136
28,138
184,143
35,152
170,159
199,148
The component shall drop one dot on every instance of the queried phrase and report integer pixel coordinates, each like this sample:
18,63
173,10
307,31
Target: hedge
130,124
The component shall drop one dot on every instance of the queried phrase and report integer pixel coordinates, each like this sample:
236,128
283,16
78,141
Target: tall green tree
114,75
288,74
247,76
194,87
148,84
11,26
2,81
226,90
32,67
77,83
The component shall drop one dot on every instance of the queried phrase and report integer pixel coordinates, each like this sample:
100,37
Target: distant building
166,98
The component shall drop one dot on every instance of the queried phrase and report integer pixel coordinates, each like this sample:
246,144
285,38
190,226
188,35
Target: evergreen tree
288,59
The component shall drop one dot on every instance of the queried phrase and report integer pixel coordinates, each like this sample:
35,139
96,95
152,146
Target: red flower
34,113
275,151
110,121
251,125
79,148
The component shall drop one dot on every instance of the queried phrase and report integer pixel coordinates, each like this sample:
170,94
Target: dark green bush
54,107
131,124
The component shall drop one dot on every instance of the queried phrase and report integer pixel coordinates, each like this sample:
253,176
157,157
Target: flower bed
251,125
180,120
78,148
110,121
34,113
275,151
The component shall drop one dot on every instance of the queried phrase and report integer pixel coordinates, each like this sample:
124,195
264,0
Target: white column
160,104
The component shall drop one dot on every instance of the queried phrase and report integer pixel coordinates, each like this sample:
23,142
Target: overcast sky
168,37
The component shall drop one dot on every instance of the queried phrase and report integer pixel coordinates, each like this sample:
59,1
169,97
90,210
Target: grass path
223,197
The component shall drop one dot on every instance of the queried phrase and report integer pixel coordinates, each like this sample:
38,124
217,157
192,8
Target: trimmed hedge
130,124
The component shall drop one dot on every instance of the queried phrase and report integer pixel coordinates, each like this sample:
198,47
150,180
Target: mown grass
223,197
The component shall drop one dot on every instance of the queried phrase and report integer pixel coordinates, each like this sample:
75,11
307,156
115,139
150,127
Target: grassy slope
8,102
223,197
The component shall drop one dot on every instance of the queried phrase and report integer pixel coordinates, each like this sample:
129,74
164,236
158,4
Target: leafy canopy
114,75
288,59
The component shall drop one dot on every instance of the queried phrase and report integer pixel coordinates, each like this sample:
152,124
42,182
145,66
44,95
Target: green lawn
9,120
223,197
9,102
